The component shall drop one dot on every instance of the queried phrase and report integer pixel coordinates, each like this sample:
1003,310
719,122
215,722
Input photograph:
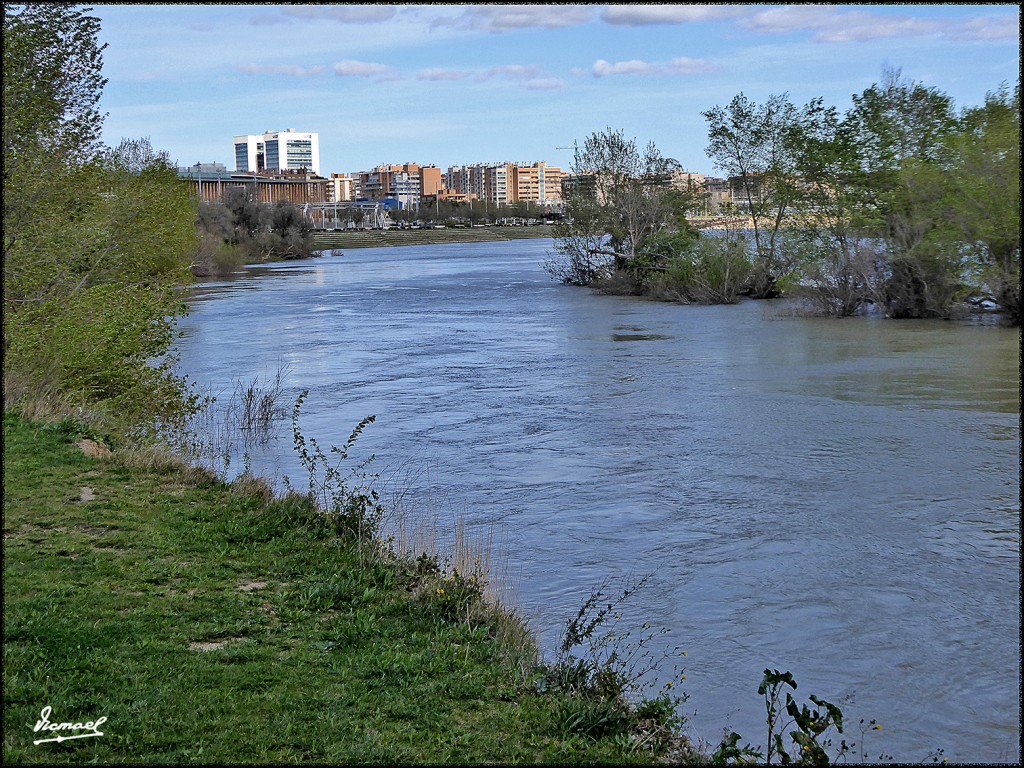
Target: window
242,157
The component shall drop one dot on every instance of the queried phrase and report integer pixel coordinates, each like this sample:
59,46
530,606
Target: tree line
98,240
900,203
239,230
95,238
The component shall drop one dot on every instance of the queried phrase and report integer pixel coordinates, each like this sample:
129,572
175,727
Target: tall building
538,183
504,183
286,150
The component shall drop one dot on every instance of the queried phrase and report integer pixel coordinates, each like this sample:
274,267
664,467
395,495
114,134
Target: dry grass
422,522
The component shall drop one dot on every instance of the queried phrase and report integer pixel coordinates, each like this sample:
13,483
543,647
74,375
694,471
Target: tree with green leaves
984,205
902,131
624,197
755,144
839,265
95,239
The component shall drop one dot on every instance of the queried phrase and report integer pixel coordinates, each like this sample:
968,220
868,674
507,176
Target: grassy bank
385,237
210,622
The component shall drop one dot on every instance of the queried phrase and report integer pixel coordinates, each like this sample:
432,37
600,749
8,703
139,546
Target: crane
575,164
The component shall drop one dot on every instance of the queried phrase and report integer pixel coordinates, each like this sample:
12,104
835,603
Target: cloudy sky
454,84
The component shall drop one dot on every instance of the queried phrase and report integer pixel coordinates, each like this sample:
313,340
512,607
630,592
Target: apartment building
403,183
505,183
431,181
340,188
538,183
466,181
719,193
286,150
499,184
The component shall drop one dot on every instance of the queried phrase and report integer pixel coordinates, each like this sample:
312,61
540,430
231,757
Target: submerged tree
902,132
238,230
621,197
984,207
755,145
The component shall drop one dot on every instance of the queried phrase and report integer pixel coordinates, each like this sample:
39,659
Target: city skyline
454,85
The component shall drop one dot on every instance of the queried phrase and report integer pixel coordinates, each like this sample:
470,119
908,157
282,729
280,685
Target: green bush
712,271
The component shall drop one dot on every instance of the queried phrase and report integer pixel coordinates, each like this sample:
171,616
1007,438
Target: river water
835,498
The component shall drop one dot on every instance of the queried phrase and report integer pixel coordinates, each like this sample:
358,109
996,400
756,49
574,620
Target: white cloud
543,84
830,25
440,73
681,65
642,15
513,71
988,28
633,67
356,68
529,76
502,18
293,70
344,14
684,65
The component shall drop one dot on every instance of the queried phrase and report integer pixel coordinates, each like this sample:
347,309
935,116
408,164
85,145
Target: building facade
505,183
287,150
266,187
340,188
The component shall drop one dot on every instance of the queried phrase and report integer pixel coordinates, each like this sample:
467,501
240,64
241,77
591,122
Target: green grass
377,237
209,623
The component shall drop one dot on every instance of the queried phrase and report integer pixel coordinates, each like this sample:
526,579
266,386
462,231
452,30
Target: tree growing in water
755,145
621,197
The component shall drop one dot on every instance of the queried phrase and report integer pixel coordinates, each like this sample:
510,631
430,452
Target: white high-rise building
286,150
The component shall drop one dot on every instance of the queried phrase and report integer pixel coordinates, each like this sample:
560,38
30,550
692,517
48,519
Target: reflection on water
836,498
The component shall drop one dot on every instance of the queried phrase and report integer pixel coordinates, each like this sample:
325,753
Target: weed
217,433
255,406
810,737
609,672
346,496
606,661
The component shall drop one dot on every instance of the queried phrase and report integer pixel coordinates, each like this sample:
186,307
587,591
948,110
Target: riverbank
375,238
211,622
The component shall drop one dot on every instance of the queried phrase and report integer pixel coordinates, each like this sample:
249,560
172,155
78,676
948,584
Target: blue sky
455,84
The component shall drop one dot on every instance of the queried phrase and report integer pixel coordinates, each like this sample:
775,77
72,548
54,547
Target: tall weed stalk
345,493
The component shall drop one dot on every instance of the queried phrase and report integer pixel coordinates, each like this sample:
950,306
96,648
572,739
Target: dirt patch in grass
212,645
93,530
94,450
249,586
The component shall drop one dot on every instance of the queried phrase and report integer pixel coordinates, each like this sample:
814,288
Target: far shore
375,238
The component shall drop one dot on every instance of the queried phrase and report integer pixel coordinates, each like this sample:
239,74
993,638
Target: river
835,498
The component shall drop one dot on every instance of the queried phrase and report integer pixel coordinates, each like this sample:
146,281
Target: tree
624,198
839,265
984,205
902,132
95,240
238,229
755,144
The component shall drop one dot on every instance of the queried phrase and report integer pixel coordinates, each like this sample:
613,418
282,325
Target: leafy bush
712,271
810,739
